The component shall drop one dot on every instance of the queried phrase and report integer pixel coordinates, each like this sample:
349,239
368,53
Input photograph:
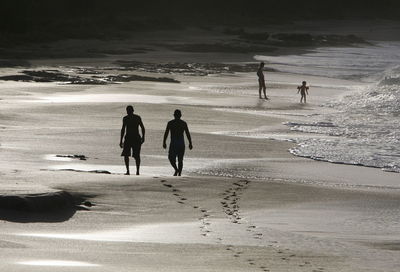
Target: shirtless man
177,144
133,141
303,90
261,81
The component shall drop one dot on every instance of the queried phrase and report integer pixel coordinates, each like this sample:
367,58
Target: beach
244,202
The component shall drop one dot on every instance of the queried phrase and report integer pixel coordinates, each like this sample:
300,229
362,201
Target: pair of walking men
133,141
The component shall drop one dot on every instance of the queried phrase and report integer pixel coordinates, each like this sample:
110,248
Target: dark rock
88,204
37,202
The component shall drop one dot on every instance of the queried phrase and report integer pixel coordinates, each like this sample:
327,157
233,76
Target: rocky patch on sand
91,77
185,68
80,157
128,78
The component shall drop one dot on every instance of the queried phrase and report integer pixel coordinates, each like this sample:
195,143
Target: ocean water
363,62
363,126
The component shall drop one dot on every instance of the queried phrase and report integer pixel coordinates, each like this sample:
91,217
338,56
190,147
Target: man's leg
126,159
137,159
265,92
136,155
172,161
259,89
180,163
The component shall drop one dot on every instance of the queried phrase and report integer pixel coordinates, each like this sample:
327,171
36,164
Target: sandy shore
244,204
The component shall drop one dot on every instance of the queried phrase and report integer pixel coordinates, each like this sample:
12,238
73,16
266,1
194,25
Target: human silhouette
177,144
133,141
261,81
303,89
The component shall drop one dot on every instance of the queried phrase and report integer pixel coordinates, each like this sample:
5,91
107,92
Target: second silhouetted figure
177,145
130,128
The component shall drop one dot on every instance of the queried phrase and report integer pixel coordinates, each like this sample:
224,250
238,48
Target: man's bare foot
127,173
176,173
266,98
137,173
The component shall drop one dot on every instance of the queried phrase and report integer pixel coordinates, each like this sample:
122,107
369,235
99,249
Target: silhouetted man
261,81
177,145
133,142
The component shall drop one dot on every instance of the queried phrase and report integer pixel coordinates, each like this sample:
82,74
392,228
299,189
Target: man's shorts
133,145
176,150
261,82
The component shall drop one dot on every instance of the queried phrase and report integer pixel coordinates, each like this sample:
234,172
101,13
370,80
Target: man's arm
188,136
165,136
122,132
307,90
143,129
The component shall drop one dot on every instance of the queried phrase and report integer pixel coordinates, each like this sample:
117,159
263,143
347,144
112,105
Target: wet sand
244,202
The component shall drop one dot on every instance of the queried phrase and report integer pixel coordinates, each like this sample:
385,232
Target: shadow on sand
48,207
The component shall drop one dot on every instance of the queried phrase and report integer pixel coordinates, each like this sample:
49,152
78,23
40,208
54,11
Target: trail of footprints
205,215
231,208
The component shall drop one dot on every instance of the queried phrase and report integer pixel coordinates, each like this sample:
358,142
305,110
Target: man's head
262,64
177,114
129,110
304,83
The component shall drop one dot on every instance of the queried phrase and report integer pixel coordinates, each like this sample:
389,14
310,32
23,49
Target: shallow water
339,62
363,127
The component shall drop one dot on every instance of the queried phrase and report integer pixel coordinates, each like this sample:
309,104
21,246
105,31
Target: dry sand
244,204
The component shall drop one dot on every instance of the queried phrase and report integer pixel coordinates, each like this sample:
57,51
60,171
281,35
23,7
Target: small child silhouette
303,90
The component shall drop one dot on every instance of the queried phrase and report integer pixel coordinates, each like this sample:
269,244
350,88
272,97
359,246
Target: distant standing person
177,144
261,81
133,141
303,90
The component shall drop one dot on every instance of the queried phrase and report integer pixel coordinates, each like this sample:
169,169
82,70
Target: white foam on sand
57,263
